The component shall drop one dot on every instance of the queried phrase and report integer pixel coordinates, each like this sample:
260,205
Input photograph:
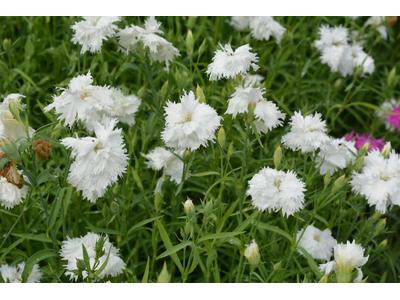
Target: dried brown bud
391,20
11,174
42,148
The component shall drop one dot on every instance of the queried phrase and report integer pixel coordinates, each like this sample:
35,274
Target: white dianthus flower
379,180
347,257
82,101
355,57
332,44
91,32
189,124
267,114
228,63
306,133
240,23
319,244
273,190
9,126
161,158
378,23
125,107
72,249
262,28
336,154
14,274
11,195
160,49
99,160
253,80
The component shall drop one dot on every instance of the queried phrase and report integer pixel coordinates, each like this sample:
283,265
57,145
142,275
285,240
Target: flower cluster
266,113
275,190
160,49
262,28
339,55
99,160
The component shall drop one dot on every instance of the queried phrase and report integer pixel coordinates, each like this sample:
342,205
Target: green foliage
150,229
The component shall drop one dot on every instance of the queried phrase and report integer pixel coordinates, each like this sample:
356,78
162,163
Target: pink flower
361,139
394,120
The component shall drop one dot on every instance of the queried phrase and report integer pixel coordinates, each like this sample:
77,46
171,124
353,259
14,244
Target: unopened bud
250,113
382,245
164,91
324,279
202,47
7,45
278,156
164,275
359,163
189,208
375,217
337,186
189,43
187,155
230,150
18,111
364,149
277,266
209,207
391,75
327,177
386,150
114,207
221,137
56,132
252,254
380,227
200,94
80,263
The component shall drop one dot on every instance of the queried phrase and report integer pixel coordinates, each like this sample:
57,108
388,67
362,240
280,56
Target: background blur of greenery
42,57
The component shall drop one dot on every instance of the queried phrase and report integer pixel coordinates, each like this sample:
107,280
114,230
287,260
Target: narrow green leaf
36,258
44,176
275,229
3,162
104,265
221,235
248,221
311,262
103,230
86,257
204,174
168,245
146,272
174,249
141,223
253,126
55,208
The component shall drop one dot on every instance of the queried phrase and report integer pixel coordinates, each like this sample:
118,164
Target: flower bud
164,91
382,245
114,207
252,254
7,45
230,150
19,113
56,132
392,75
189,43
209,207
338,184
359,163
10,149
375,217
157,202
278,156
164,276
324,279
327,177
202,47
80,263
221,137
337,83
189,208
364,149
200,94
187,155
250,114
380,227
386,150
277,266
